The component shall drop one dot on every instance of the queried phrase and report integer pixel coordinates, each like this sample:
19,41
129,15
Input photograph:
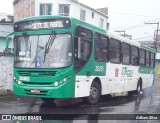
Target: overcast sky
128,15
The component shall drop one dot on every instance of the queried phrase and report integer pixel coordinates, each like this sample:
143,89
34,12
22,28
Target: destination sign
42,24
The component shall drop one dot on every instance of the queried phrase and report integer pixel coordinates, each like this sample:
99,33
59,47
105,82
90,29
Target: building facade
5,28
72,8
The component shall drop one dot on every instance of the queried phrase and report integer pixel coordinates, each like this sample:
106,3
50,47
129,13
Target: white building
6,17
72,8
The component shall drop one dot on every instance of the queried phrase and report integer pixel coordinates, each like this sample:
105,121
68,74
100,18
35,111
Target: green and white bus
63,57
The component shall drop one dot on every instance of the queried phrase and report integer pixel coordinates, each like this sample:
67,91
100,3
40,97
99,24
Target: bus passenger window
142,60
125,53
147,59
152,57
101,43
134,56
82,47
114,51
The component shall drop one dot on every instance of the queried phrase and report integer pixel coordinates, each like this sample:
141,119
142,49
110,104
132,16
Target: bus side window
114,51
152,57
125,48
142,57
147,59
134,55
82,48
101,51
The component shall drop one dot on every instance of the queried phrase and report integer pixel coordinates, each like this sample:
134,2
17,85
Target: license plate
35,91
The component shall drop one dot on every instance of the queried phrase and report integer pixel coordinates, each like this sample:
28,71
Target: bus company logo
126,72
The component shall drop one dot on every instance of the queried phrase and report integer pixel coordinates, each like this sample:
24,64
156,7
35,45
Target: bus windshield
43,51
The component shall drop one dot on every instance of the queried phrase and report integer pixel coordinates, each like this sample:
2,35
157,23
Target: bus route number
99,68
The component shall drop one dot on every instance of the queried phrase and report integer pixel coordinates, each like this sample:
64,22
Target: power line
121,31
132,14
156,35
142,38
140,25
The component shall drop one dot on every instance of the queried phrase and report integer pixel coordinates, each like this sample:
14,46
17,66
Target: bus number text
99,68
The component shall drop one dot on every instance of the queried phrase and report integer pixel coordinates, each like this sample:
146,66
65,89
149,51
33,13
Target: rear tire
139,87
48,99
95,93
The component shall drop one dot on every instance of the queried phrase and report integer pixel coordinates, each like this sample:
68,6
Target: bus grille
38,83
37,73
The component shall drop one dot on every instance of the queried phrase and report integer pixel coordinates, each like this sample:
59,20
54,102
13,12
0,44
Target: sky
128,15
131,16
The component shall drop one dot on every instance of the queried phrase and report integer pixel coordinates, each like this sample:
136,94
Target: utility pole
156,36
121,31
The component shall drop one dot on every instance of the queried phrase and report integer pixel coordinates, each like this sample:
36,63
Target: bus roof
131,42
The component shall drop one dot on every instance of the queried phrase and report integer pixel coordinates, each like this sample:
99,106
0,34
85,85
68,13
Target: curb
6,92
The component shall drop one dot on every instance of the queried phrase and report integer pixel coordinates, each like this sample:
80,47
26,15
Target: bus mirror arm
7,43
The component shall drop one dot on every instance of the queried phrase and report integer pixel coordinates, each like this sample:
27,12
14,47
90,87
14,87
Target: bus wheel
95,93
139,87
48,99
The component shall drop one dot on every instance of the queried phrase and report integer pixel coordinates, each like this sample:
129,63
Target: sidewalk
157,85
5,92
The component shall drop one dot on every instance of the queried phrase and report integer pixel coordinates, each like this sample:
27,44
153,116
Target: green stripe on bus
145,70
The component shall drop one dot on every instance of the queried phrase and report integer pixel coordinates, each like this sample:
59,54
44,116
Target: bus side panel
121,78
147,76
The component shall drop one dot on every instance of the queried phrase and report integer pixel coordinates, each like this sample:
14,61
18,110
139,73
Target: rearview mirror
9,44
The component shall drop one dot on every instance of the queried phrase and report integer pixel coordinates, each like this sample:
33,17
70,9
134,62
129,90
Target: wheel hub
93,92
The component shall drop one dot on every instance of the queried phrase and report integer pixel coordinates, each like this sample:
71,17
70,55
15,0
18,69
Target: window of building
46,9
147,59
114,50
152,57
83,15
101,44
134,56
92,14
142,59
64,9
101,23
125,53
83,43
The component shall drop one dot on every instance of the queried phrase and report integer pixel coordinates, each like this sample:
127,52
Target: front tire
95,93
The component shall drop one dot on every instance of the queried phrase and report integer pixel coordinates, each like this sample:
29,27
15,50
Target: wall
23,9
6,72
2,44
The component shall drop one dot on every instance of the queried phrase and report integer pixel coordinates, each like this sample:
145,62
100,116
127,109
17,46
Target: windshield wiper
49,43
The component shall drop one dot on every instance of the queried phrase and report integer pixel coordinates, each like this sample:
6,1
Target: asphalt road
130,106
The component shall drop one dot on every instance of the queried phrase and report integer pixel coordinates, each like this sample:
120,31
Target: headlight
65,79
57,83
19,82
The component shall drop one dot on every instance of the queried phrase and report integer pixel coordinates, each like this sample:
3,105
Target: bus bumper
64,91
